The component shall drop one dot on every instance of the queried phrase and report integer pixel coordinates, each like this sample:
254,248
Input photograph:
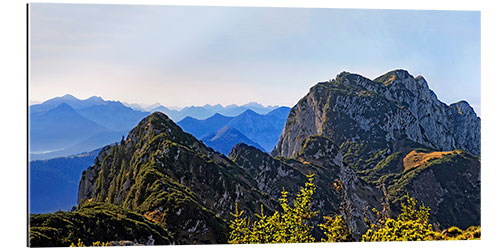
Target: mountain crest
95,98
395,75
156,124
393,105
68,97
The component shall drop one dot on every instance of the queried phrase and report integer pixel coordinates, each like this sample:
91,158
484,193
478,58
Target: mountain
139,107
67,99
75,125
235,110
259,108
59,128
174,180
378,124
176,115
203,128
225,138
53,183
262,129
205,111
216,108
393,106
113,115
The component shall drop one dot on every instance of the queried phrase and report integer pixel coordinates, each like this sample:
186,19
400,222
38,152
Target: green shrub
410,225
293,225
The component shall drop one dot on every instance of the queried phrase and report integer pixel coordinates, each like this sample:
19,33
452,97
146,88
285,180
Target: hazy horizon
146,105
195,55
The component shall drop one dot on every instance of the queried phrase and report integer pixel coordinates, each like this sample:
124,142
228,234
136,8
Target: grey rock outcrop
393,106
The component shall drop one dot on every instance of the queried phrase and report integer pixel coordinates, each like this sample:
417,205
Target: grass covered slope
94,222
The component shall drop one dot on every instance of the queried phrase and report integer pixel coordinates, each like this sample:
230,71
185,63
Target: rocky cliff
393,106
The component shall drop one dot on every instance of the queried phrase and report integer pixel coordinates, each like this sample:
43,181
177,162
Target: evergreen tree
293,225
410,225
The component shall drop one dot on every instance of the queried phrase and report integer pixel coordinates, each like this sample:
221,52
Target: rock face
270,174
318,156
392,106
358,193
173,179
376,124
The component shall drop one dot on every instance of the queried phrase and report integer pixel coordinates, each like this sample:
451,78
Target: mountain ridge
207,110
405,111
73,125
225,138
261,129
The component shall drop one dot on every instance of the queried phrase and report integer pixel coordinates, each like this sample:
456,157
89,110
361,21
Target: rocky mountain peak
68,97
155,124
393,76
393,106
462,108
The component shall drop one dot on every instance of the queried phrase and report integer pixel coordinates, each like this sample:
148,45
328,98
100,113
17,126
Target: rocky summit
396,105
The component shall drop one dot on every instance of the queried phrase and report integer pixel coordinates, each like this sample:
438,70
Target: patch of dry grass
416,159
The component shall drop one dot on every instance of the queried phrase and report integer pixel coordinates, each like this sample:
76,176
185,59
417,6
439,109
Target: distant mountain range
225,138
67,99
206,111
263,130
67,125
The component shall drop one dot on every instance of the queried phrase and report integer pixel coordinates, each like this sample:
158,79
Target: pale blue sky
182,56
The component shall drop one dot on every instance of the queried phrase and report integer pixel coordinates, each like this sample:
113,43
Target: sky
186,55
